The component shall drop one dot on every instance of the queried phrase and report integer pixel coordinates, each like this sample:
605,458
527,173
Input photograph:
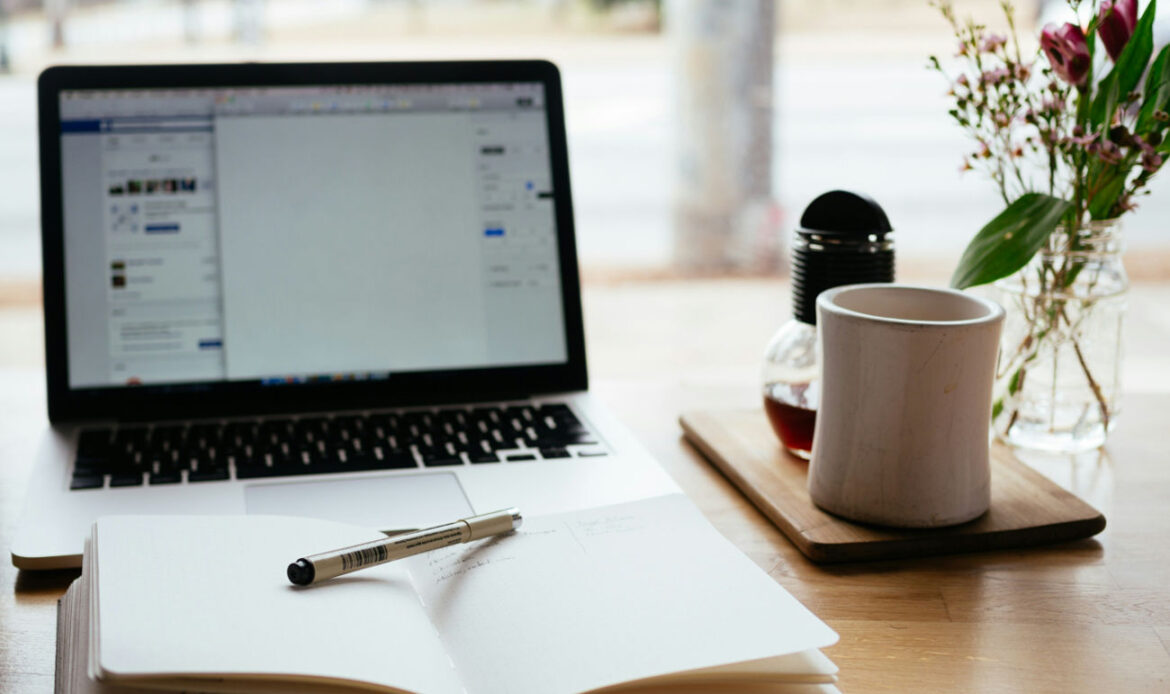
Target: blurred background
698,129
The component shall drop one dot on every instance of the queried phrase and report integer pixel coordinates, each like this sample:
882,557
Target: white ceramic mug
901,435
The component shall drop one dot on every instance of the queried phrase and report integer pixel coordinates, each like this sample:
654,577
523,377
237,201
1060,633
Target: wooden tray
1026,507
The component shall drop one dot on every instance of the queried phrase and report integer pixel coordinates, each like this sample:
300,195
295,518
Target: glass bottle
843,239
791,388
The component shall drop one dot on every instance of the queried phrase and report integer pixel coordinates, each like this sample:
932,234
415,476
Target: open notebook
644,596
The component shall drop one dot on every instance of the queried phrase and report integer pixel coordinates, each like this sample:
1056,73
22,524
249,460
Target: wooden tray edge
946,543
843,553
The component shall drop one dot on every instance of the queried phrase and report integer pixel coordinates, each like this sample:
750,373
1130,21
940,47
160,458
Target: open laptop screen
303,234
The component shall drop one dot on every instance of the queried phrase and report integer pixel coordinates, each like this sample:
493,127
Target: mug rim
826,301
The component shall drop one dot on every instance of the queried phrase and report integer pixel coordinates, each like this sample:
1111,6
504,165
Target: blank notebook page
208,594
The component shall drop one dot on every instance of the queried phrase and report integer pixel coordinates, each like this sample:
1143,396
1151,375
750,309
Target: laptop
344,291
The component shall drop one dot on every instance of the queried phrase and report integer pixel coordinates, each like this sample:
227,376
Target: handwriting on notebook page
562,537
616,524
456,563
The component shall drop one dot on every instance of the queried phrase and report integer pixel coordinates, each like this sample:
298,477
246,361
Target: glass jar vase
1058,380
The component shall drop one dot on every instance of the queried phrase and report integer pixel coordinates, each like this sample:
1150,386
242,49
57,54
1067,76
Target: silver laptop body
345,291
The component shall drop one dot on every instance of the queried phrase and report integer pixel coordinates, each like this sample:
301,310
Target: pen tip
301,572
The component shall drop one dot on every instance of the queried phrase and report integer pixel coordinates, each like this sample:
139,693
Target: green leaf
1111,91
1010,240
1129,68
1014,384
1157,93
1102,202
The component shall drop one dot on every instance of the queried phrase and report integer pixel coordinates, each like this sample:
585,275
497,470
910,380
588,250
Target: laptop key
187,462
349,461
440,458
256,471
87,481
173,459
126,479
442,462
560,439
483,458
169,477
251,470
206,466
208,475
392,460
126,463
550,453
90,466
306,457
516,457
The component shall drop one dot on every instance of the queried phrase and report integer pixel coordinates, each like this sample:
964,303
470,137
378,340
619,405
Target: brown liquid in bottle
791,422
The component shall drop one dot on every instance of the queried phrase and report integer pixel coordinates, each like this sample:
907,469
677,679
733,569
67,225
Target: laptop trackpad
382,503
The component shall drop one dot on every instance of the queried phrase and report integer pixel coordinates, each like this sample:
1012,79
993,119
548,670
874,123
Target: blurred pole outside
5,60
725,216
55,11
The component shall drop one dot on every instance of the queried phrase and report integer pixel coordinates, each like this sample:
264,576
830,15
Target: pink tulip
1115,25
1067,51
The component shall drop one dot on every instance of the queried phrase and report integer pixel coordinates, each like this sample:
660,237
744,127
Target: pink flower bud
1067,51
1109,153
992,42
1116,23
996,76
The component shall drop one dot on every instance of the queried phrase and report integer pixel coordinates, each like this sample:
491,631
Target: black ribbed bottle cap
842,239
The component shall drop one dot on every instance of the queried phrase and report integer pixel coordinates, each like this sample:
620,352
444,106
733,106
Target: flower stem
1093,385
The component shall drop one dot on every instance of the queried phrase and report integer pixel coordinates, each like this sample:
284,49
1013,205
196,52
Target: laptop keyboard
134,455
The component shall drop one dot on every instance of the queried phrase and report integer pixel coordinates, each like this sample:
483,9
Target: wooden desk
1093,616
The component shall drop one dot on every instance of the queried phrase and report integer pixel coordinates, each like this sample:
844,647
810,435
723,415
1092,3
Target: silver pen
316,568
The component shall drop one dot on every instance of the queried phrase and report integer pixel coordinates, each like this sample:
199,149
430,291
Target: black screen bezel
250,397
